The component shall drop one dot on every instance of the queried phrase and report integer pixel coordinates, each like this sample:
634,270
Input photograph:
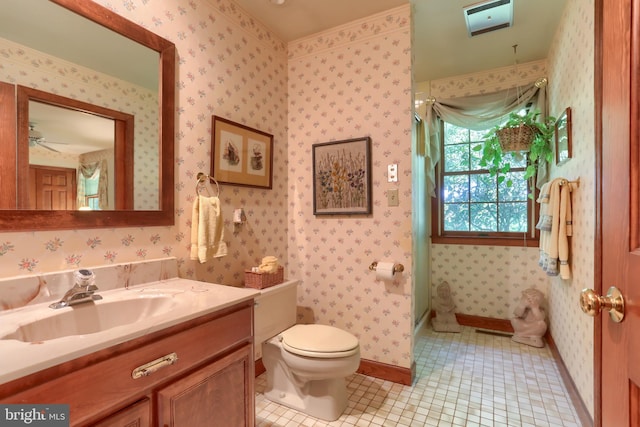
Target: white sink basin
91,317
52,336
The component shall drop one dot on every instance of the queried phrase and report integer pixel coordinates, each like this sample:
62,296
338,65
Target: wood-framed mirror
16,130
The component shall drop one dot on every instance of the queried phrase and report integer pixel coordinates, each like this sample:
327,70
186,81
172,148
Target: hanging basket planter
517,138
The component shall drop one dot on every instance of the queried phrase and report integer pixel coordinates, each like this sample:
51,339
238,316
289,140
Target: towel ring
203,177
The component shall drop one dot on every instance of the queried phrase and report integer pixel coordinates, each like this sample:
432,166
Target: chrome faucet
82,291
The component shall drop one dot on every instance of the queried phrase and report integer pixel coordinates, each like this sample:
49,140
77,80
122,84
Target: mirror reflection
71,148
64,142
89,50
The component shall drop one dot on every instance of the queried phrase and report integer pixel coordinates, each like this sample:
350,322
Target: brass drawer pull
149,368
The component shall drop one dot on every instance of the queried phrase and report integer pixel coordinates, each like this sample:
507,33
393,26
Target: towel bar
203,177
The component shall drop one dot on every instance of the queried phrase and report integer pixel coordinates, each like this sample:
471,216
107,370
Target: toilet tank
274,311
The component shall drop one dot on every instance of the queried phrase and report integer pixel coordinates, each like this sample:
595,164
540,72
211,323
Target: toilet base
320,398
323,399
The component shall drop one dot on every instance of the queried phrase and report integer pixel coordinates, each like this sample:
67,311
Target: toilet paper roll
384,271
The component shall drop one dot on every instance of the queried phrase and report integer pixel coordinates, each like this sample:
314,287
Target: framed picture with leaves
342,177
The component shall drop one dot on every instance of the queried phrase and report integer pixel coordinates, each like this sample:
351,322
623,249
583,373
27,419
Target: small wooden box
263,280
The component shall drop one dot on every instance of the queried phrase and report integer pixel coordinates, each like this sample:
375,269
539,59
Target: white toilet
306,364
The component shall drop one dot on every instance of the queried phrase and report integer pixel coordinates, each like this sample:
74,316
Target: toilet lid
319,341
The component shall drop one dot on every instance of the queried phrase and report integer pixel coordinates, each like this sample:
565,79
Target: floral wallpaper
487,81
27,67
571,75
351,82
487,281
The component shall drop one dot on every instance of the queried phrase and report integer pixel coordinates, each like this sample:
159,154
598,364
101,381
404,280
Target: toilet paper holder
397,267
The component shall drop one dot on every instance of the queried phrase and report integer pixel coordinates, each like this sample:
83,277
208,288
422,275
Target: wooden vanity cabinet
210,384
136,415
215,395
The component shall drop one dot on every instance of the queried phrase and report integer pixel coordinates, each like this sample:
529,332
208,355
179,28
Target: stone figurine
529,322
445,320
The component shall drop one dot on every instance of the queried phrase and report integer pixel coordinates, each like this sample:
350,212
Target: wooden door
620,194
219,394
52,188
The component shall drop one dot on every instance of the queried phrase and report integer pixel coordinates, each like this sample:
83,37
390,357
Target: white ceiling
70,131
442,47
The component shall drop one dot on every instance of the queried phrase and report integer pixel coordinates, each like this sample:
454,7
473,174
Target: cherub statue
529,322
445,320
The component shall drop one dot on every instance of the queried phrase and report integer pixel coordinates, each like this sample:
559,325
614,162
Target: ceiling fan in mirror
36,139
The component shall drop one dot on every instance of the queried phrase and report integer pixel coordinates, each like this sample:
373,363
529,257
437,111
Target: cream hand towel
207,230
544,222
551,244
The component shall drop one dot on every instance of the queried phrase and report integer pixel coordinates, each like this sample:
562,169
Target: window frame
92,199
494,238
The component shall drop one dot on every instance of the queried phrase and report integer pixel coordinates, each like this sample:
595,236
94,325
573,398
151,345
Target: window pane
517,159
484,216
456,189
456,217
472,201
483,188
476,155
91,185
513,217
93,203
454,134
517,192
456,158
477,135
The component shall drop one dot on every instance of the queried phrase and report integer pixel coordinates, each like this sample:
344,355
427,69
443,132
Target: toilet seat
320,341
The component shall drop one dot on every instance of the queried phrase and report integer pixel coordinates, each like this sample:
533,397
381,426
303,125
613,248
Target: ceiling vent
488,16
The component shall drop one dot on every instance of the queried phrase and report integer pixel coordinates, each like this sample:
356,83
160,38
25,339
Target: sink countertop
194,299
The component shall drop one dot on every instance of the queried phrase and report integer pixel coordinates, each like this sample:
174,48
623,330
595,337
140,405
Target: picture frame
342,177
563,137
241,155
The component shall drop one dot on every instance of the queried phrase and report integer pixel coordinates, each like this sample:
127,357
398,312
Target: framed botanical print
241,155
342,177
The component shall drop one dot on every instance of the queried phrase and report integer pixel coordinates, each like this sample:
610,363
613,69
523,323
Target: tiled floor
467,379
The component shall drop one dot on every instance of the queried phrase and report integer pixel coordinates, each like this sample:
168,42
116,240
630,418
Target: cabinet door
219,394
136,415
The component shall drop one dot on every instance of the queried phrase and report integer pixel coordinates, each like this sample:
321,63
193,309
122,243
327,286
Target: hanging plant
520,135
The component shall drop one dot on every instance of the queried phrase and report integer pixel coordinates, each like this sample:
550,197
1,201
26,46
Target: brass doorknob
592,303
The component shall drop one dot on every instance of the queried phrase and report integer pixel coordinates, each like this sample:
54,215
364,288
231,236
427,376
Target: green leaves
499,163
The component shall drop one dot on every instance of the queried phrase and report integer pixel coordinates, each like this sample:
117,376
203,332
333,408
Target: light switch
392,197
392,173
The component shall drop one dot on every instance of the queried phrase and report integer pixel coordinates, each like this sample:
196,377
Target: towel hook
203,177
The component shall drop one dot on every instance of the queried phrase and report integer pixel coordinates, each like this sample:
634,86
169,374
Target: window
471,206
91,199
